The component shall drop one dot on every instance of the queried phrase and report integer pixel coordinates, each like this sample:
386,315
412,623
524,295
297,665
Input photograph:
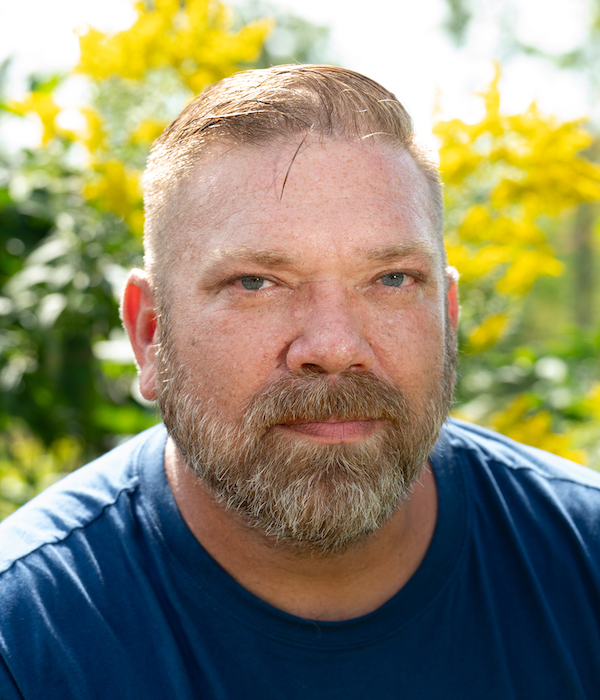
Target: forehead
333,197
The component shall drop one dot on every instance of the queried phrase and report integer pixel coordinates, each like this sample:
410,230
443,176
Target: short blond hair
257,107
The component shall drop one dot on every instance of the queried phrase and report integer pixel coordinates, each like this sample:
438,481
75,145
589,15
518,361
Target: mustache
311,396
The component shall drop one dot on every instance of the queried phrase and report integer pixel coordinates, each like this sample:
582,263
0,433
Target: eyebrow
262,257
280,259
403,250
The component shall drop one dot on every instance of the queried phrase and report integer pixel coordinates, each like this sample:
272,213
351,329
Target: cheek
410,346
229,357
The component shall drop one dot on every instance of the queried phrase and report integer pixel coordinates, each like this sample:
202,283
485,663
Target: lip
333,432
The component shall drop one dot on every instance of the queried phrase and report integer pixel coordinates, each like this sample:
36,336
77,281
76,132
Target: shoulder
523,477
72,570
491,446
74,503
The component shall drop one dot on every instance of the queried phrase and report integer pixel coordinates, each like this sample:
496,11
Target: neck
341,586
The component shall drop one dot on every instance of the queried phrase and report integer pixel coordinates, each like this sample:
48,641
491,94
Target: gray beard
317,498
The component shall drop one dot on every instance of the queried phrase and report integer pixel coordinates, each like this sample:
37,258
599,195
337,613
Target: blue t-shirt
105,593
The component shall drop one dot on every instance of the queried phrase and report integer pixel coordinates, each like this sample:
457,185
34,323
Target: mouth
332,431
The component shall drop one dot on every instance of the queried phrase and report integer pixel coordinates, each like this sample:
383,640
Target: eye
254,283
393,279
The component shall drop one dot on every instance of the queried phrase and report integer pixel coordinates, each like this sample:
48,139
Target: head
295,321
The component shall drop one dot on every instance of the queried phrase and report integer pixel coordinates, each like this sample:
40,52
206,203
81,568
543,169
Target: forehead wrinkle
397,251
246,254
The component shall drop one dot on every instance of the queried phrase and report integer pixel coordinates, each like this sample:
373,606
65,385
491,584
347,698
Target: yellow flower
592,403
520,421
505,177
95,138
41,104
488,333
115,188
526,268
147,131
193,36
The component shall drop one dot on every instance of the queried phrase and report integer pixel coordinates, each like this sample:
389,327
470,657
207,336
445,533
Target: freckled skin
329,308
350,216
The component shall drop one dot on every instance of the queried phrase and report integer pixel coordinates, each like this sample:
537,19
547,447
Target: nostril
311,367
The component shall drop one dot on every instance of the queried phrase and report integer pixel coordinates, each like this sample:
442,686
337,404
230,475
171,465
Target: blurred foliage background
522,224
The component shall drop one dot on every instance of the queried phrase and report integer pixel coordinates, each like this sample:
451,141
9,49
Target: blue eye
394,279
252,283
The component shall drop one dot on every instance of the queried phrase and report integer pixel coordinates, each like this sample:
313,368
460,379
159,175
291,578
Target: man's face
306,363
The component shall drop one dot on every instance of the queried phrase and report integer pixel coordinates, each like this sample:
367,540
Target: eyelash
231,281
406,277
409,278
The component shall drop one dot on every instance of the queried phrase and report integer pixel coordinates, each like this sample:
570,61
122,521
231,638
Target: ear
138,311
453,305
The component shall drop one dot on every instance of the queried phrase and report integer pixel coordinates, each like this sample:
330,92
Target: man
304,531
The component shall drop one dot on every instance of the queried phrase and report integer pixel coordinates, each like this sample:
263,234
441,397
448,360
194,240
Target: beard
316,498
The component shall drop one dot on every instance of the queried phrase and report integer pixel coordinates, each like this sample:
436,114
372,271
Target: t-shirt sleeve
8,687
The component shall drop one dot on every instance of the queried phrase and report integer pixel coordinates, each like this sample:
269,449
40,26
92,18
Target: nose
331,339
